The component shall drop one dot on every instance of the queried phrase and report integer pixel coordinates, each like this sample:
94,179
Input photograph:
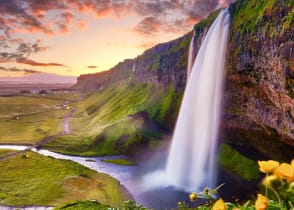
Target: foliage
279,195
132,205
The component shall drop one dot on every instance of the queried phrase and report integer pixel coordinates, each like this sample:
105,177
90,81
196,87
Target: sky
73,37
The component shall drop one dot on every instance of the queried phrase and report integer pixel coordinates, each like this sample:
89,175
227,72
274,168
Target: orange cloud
35,63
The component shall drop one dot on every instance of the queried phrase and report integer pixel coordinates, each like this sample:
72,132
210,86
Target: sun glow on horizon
81,37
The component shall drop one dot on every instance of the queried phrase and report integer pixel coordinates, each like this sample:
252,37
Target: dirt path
65,130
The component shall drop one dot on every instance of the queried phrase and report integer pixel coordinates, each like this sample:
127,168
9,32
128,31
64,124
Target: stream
124,174
129,176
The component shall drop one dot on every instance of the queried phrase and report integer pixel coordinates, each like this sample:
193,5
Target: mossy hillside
43,180
113,139
111,120
238,164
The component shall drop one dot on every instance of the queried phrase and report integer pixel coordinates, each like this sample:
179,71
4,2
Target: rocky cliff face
259,92
259,99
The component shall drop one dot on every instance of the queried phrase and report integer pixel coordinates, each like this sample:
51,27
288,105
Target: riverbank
36,179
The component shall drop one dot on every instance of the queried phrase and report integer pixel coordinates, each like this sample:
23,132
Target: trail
64,131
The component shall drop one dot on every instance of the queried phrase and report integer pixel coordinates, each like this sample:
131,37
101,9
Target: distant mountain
40,78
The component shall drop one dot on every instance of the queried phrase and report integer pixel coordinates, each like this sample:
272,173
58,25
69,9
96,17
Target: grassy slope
40,180
103,123
28,119
238,164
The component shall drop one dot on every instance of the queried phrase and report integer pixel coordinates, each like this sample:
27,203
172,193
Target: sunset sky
73,37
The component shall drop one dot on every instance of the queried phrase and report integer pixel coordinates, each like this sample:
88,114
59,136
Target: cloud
23,51
148,26
173,16
14,69
92,67
60,16
35,63
33,15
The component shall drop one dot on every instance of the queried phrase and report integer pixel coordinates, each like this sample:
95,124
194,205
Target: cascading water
191,161
190,57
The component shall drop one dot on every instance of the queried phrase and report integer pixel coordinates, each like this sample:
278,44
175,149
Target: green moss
250,13
164,106
124,162
238,164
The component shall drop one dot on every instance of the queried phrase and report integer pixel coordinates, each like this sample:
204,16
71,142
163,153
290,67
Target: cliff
259,93
163,65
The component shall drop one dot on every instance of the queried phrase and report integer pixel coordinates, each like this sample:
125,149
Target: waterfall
191,161
190,57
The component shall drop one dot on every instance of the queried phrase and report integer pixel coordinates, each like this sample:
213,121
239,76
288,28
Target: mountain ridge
45,78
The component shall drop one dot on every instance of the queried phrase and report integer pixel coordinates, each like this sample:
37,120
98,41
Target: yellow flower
219,205
261,203
193,196
292,163
268,166
285,171
271,181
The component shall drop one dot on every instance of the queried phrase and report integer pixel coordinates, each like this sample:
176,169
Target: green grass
41,180
28,119
22,105
238,164
4,152
31,128
82,205
124,162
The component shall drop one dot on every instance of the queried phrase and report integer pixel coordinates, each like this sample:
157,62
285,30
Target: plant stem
266,189
277,195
